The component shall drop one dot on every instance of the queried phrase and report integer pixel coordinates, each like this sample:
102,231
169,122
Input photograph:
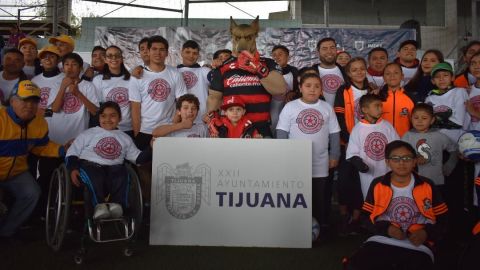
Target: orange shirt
397,110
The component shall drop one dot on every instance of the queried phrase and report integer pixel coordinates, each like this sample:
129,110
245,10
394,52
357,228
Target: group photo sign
301,42
235,192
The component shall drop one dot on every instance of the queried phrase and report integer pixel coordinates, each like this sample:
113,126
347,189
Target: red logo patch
119,95
44,95
108,148
375,145
190,79
441,108
241,81
71,104
331,82
159,89
310,121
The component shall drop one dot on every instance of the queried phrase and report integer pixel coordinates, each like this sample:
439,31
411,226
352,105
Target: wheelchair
60,212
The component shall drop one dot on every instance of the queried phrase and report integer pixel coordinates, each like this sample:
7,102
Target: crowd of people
386,131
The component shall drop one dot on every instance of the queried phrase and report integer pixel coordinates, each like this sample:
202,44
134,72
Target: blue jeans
25,192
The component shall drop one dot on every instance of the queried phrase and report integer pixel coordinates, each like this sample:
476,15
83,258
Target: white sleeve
205,72
134,90
132,151
91,94
333,125
180,87
460,110
284,119
353,148
97,82
78,144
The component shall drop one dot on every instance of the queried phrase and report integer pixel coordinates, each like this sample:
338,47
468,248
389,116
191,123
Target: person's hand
176,118
74,89
137,72
396,232
74,175
186,123
89,72
290,95
216,63
421,160
68,144
332,163
251,63
418,237
66,82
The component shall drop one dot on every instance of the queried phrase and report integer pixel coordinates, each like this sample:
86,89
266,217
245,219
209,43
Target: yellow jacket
18,138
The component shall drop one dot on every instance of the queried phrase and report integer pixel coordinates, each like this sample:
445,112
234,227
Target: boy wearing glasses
407,215
429,144
366,145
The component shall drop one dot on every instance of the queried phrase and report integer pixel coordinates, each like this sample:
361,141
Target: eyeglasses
398,159
114,56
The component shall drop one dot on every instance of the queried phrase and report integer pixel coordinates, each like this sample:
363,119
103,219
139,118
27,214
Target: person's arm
58,102
339,108
353,153
334,149
282,134
451,148
214,100
274,83
91,108
164,130
135,109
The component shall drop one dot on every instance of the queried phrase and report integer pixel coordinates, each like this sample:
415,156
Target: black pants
348,185
142,140
322,198
377,256
104,180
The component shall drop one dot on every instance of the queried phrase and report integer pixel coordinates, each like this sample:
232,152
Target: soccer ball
469,145
315,229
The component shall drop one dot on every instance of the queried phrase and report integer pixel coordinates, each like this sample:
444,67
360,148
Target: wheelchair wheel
135,200
58,207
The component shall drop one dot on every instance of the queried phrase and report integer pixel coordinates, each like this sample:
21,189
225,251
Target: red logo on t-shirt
190,79
71,104
331,82
441,108
403,211
310,121
159,89
476,104
375,145
119,95
44,95
108,148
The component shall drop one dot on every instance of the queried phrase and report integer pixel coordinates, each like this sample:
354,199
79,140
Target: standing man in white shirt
12,73
407,58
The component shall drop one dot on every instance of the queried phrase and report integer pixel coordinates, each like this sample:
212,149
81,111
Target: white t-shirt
104,147
115,89
474,97
73,118
377,81
313,122
157,91
196,81
332,79
368,141
453,100
48,87
29,71
197,131
6,87
403,211
357,94
408,74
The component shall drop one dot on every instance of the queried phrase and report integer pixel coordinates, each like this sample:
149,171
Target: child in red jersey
233,124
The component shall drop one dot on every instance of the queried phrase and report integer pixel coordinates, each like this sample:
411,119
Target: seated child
430,144
233,124
183,125
96,159
313,119
366,145
407,216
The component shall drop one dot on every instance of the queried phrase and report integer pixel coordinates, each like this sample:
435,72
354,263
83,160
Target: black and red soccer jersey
232,81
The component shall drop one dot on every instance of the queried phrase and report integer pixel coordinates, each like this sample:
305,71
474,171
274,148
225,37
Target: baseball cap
441,66
63,38
48,48
232,101
407,42
27,40
26,89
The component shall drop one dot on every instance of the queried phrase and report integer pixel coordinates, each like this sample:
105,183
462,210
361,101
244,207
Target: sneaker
115,209
101,211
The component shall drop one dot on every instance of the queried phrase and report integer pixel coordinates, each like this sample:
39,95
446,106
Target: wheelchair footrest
125,229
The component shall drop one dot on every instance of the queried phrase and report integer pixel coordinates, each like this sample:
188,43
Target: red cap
232,101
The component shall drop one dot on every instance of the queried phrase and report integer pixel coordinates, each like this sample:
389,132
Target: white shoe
101,211
115,209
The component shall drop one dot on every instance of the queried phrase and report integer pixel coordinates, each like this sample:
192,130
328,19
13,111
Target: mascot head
244,35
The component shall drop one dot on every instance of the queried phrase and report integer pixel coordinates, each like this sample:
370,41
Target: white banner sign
231,192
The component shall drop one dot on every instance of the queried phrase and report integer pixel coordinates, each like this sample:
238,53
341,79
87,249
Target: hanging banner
231,192
301,42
